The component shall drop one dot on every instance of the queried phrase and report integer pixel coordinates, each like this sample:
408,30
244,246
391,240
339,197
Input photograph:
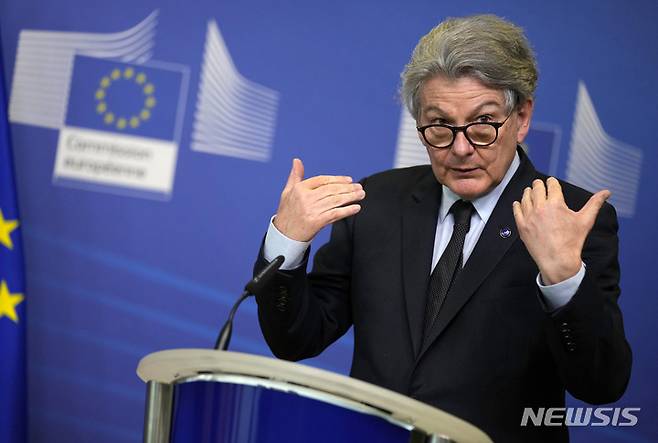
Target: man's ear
523,116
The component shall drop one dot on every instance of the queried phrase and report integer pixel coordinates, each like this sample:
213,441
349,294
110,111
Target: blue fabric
13,393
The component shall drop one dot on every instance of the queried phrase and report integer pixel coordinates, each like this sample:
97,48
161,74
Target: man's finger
338,200
554,190
593,206
518,214
321,180
526,201
335,189
538,193
296,173
336,214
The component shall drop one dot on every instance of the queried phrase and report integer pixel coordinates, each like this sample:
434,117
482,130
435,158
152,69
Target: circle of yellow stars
122,122
8,301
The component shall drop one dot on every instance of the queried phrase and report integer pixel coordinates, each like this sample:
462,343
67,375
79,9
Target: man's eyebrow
476,110
434,108
485,104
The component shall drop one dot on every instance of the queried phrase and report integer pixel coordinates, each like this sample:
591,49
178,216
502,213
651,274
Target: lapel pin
505,232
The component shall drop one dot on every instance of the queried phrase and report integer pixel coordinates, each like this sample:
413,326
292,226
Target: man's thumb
296,172
593,206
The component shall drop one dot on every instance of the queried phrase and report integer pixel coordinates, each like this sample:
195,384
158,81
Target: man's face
471,172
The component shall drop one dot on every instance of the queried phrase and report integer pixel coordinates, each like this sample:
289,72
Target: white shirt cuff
557,295
278,244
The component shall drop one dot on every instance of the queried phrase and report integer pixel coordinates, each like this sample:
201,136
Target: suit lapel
419,219
489,250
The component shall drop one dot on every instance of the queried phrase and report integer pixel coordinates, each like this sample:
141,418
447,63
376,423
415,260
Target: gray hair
486,47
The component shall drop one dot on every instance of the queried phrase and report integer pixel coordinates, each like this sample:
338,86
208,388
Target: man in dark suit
477,284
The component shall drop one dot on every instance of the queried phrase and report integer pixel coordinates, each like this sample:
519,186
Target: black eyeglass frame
457,129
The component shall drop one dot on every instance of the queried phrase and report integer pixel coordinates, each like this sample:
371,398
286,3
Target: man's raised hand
554,234
306,206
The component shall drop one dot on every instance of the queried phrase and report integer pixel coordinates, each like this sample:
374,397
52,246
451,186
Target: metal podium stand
207,396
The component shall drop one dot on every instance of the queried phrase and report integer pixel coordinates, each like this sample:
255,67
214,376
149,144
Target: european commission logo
123,123
120,114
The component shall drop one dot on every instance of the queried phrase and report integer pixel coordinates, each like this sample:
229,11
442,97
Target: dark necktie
449,264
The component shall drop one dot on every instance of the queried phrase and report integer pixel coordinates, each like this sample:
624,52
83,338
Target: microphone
253,287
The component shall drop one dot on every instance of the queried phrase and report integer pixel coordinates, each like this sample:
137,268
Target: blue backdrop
141,228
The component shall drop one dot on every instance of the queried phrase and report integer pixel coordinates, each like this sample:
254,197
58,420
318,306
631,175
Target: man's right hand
306,206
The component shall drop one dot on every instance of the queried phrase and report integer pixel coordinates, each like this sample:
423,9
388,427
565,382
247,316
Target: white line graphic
234,116
409,150
44,65
598,161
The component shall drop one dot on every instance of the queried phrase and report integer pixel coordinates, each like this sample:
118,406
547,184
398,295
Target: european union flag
124,98
13,413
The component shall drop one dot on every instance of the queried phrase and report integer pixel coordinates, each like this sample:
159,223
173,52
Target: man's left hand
554,234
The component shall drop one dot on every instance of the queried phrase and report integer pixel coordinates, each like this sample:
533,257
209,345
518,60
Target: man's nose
461,146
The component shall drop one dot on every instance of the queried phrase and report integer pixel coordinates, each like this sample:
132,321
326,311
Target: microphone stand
252,288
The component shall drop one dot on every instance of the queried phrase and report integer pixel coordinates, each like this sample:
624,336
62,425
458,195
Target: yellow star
8,302
6,227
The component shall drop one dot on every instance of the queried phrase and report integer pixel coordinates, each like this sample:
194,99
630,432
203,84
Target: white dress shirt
554,296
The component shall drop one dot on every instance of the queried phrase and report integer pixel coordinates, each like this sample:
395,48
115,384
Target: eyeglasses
478,134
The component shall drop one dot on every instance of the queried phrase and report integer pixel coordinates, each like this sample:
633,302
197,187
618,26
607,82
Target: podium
208,396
